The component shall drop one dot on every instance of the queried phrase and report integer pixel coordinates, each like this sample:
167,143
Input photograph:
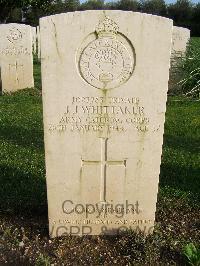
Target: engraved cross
16,66
104,163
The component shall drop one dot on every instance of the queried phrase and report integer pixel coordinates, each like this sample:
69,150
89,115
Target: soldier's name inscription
98,114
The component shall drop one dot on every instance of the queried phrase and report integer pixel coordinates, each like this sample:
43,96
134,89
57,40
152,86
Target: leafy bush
190,69
192,253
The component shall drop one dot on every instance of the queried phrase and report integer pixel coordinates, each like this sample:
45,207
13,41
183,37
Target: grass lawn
23,207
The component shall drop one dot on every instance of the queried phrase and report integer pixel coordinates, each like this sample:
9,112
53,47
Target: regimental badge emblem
108,60
14,35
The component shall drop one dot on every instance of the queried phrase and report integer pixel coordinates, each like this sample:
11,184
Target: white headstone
38,42
16,58
180,39
104,100
34,40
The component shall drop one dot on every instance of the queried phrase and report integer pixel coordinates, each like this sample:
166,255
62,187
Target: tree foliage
156,7
183,12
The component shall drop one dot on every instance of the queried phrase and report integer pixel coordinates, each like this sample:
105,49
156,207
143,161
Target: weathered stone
38,42
16,58
104,100
180,39
34,40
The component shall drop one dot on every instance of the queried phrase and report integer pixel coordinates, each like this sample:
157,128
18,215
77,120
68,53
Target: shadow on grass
21,191
180,178
190,144
22,136
37,73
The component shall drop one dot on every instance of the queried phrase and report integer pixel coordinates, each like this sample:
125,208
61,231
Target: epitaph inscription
15,40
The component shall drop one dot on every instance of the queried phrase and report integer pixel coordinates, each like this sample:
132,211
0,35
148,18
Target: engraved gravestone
16,57
180,39
104,99
34,39
38,42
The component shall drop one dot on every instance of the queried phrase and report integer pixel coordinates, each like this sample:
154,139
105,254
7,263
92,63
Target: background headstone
34,40
104,102
16,57
180,39
38,42
1,91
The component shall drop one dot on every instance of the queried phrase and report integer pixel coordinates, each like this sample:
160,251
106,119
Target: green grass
37,72
180,167
192,254
22,173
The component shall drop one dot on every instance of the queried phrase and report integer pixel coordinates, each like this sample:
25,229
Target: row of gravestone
35,40
19,42
104,86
